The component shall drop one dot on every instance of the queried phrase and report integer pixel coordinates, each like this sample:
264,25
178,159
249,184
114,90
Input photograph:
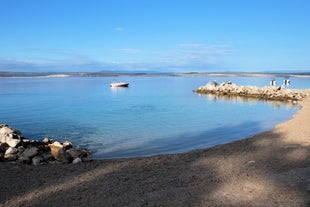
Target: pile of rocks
13,147
268,92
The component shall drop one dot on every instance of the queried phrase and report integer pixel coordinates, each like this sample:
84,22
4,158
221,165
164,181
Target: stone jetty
268,93
14,147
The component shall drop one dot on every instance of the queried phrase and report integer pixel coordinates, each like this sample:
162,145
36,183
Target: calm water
154,115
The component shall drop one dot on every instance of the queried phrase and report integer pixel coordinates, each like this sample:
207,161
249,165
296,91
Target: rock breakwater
268,92
14,147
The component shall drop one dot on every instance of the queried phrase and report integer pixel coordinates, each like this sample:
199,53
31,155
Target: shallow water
154,115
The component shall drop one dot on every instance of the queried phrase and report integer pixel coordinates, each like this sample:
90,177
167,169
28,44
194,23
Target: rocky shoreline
267,93
15,148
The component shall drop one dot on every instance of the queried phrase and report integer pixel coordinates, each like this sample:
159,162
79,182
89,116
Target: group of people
273,82
215,83
286,82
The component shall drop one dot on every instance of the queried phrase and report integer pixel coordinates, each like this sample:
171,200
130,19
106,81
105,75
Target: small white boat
119,84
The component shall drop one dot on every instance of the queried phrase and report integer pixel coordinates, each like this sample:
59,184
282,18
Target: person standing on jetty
273,82
215,83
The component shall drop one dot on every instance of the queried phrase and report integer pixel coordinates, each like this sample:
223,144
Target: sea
154,115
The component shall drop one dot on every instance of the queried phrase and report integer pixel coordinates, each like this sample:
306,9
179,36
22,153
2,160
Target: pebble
77,161
37,160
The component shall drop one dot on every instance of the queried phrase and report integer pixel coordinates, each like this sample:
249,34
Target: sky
155,35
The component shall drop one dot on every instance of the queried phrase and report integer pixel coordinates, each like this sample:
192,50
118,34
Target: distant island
7,74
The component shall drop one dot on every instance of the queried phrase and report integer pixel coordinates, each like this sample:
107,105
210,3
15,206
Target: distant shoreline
6,74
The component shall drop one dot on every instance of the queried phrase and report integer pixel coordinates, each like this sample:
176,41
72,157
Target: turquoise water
154,115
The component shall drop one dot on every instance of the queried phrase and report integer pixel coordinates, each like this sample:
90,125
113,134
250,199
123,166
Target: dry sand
269,169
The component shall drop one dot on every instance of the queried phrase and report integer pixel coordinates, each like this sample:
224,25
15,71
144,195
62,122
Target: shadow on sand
260,171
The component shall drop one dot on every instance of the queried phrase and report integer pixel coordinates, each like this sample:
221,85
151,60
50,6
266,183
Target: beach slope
268,169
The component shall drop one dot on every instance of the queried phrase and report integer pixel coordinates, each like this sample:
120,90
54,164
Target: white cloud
184,57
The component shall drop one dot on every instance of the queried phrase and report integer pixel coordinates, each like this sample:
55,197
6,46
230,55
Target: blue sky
155,35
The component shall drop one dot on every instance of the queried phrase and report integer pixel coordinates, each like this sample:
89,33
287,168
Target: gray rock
11,150
84,154
47,157
25,160
74,153
11,157
4,147
36,160
21,149
87,158
63,157
77,161
30,152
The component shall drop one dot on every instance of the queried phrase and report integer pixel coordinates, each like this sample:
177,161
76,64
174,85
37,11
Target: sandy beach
268,169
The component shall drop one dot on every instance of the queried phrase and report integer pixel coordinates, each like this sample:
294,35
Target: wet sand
268,169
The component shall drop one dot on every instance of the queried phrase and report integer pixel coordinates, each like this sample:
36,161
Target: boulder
58,152
46,140
47,156
67,145
74,153
25,160
55,148
63,157
11,157
9,135
11,150
4,147
30,152
21,149
84,154
77,161
36,160
11,154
